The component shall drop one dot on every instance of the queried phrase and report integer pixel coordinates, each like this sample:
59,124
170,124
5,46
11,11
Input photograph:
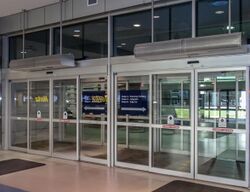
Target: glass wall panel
19,102
64,117
16,47
84,40
72,40
222,124
181,21
172,112
36,44
132,107
241,17
212,17
93,119
129,30
96,39
39,115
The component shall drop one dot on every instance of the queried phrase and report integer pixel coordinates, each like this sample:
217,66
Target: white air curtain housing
224,44
43,63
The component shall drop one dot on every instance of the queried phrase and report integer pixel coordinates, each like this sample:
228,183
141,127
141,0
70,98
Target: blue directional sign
133,102
94,102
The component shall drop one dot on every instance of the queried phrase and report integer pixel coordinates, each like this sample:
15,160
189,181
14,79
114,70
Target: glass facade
84,41
15,47
90,40
36,44
241,17
130,30
212,17
173,22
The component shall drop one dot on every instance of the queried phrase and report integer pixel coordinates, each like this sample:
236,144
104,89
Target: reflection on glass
171,107
130,30
132,145
64,137
212,17
241,17
222,154
85,40
131,86
94,141
39,114
222,95
36,44
93,136
16,47
64,100
19,115
64,111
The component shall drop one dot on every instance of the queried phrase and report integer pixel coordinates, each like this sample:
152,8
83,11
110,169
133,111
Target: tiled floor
70,176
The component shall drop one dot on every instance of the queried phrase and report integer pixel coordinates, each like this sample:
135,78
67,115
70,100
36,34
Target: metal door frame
82,157
54,120
21,118
189,128
151,126
39,152
214,178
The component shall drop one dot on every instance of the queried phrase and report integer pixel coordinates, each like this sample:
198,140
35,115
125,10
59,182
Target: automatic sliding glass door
172,125
18,118
93,119
65,118
132,121
221,120
39,116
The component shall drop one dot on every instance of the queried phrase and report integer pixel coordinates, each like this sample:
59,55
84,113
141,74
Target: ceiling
8,7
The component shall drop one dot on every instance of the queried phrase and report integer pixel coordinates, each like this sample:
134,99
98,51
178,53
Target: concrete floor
71,176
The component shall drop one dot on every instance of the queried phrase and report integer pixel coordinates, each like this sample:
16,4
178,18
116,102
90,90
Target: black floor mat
14,165
184,186
5,188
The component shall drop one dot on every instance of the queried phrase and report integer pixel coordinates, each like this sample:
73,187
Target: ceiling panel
8,7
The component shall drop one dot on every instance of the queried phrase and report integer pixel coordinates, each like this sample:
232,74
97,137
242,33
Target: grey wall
72,9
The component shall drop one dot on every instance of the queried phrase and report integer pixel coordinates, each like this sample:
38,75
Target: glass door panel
222,124
19,100
39,115
132,130
172,129
93,118
64,117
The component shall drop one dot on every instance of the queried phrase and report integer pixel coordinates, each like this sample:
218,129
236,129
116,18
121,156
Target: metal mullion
78,139
193,18
28,117
195,125
229,16
247,168
150,121
115,120
51,114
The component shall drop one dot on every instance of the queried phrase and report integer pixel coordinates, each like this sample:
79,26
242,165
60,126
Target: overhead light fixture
119,46
76,35
219,3
77,31
23,52
123,44
219,12
232,27
137,25
156,17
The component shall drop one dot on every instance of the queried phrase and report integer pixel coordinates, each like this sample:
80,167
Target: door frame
214,178
95,122
54,120
151,126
